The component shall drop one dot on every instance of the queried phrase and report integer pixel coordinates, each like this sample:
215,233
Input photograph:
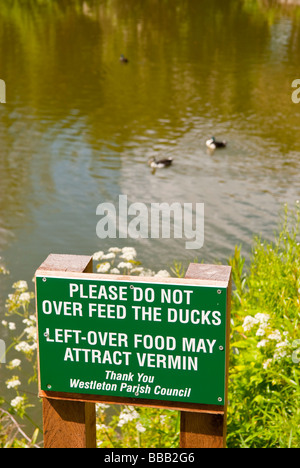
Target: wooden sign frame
69,419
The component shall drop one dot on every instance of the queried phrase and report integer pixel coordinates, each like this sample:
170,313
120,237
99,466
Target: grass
264,385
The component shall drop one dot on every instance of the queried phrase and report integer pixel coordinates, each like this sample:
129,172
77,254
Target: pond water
79,126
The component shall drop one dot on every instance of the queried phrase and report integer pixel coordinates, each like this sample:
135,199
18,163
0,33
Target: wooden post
202,430
68,424
207,429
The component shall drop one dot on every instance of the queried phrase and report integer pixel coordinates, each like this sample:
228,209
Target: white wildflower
163,418
115,250
101,406
98,256
127,256
30,321
11,326
13,383
115,271
27,322
127,250
108,256
103,267
25,297
137,270
140,428
162,274
263,319
4,323
31,332
101,427
128,414
249,322
281,350
267,363
125,265
128,253
14,363
276,335
17,401
20,285
262,343
147,272
3,270
24,347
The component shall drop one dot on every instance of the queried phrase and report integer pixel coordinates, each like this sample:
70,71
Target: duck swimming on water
123,59
160,163
213,144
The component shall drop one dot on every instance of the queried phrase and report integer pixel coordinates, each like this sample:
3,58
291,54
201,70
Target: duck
123,59
160,163
213,144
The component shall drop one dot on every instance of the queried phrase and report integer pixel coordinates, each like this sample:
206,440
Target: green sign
131,338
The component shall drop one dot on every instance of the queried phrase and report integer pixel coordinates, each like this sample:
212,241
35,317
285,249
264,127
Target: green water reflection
79,126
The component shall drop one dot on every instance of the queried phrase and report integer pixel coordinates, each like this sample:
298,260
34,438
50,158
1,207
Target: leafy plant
264,385
11,432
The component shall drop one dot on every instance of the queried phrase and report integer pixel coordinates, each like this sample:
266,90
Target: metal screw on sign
219,291
44,280
221,348
49,386
220,399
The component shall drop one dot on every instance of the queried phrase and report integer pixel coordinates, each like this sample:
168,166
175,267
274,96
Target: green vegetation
264,389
